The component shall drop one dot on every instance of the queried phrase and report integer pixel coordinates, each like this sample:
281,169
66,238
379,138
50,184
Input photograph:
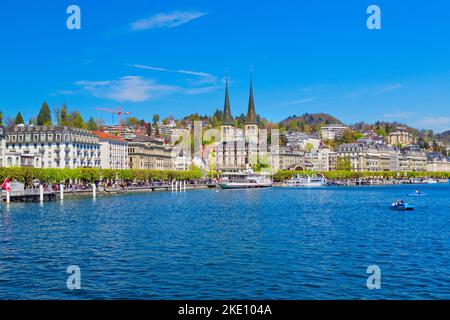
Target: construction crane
119,113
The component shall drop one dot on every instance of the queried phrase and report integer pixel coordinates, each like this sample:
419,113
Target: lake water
232,244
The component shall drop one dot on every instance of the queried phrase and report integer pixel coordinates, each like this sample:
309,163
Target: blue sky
170,57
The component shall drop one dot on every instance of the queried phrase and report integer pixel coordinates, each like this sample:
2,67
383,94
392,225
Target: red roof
106,136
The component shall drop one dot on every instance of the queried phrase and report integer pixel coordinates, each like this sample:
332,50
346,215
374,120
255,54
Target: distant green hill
311,120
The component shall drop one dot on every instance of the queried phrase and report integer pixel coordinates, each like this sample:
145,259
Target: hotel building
413,159
148,153
369,157
437,162
51,147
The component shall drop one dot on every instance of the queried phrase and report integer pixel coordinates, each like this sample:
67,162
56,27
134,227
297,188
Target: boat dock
32,197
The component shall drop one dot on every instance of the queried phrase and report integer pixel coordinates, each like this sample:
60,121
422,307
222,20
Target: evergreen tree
155,118
19,119
92,125
44,117
1,118
64,115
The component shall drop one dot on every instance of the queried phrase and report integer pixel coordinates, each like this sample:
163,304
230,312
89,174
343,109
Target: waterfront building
400,137
333,131
237,150
2,146
288,159
149,153
413,159
51,147
370,157
320,160
113,151
437,162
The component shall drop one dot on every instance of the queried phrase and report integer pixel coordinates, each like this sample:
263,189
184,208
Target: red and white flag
6,185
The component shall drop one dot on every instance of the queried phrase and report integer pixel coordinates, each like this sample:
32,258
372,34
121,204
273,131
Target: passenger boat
306,181
246,179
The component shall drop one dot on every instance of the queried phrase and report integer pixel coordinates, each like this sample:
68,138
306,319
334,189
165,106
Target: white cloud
300,101
129,88
375,90
206,76
399,115
389,88
437,124
166,20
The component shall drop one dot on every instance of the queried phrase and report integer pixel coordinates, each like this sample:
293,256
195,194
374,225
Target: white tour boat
306,181
244,180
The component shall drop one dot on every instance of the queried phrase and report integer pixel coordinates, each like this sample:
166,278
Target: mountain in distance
313,120
444,136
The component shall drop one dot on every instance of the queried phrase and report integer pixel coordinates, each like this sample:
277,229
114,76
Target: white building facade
333,131
113,151
51,147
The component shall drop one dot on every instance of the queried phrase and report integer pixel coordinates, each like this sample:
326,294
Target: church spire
251,114
227,118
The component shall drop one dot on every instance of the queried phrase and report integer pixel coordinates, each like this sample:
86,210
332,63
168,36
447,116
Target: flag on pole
6,185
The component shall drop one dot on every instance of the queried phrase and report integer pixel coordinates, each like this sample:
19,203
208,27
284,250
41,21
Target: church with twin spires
238,150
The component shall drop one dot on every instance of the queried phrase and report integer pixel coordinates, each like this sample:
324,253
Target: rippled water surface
253,244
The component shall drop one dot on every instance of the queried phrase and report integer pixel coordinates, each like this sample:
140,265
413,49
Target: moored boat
244,180
306,181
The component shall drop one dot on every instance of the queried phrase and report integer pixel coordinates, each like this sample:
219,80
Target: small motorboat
401,206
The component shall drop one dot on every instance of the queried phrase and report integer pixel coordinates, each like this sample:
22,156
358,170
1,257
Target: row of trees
53,175
345,174
63,117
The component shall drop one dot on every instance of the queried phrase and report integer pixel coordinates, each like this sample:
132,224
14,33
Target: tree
44,117
92,125
155,119
19,119
348,136
343,163
1,118
308,147
64,115
57,112
76,120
